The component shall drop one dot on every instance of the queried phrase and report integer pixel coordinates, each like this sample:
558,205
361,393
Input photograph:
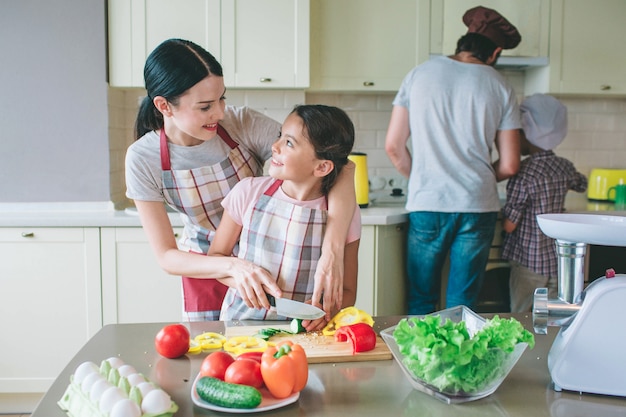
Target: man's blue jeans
431,236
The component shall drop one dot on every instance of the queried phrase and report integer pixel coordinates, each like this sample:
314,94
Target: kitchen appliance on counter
361,181
588,353
601,179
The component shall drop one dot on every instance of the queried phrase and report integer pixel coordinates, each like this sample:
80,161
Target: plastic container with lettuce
455,354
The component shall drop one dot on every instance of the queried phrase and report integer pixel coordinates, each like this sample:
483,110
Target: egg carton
87,395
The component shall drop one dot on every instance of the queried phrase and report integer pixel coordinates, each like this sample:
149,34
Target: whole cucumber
226,394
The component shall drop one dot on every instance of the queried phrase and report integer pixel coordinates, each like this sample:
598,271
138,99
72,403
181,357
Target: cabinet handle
28,234
399,228
265,80
605,87
176,235
368,83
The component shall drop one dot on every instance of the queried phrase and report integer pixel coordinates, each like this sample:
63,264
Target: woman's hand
329,281
252,283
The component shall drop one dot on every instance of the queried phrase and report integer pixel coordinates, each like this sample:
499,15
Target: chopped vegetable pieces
241,344
361,335
348,315
210,340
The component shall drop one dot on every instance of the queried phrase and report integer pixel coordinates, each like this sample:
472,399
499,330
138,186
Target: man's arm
508,145
398,134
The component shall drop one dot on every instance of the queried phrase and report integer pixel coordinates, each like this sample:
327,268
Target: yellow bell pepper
345,317
210,340
241,344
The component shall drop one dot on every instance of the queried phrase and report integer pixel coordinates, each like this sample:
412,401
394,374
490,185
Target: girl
191,150
281,219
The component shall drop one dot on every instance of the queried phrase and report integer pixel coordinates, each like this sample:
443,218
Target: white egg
144,388
156,401
89,381
125,408
115,362
98,388
126,370
109,397
135,379
83,370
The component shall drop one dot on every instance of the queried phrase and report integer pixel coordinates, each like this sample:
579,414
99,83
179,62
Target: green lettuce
445,356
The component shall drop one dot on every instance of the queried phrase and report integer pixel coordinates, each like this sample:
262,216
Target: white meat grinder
589,352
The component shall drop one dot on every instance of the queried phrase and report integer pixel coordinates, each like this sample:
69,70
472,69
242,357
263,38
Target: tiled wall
596,138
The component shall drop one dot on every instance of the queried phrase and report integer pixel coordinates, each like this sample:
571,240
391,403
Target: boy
539,187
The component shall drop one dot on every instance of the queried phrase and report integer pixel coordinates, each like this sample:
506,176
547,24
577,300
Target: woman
191,149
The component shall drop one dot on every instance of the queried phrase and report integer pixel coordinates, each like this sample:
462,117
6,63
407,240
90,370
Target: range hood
521,62
517,62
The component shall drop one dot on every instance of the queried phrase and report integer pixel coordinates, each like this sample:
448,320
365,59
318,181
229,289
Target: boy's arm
508,225
580,183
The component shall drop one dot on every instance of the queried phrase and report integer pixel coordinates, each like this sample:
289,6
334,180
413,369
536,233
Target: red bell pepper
362,336
284,368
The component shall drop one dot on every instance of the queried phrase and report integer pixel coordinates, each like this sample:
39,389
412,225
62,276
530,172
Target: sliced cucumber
226,394
296,326
266,333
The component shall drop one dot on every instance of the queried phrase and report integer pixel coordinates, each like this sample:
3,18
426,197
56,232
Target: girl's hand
253,282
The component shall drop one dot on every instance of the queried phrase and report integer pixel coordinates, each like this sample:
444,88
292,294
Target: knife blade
295,309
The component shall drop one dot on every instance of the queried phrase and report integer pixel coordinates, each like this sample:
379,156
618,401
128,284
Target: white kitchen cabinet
134,288
367,45
265,43
585,43
136,27
260,43
530,17
382,264
50,302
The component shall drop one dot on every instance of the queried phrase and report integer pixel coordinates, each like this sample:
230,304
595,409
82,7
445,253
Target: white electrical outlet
398,182
377,183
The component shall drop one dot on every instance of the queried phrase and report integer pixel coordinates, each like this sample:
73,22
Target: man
455,109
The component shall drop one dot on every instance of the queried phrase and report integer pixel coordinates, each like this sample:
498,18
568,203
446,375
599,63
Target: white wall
596,137
53,101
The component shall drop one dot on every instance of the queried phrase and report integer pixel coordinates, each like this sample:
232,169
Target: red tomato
246,372
250,355
215,364
172,341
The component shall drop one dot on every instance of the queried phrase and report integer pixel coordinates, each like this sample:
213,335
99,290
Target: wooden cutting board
319,348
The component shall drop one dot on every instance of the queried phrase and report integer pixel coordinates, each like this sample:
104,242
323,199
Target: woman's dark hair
480,46
331,132
172,68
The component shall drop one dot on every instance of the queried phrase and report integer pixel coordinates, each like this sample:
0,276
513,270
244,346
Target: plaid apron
197,194
286,239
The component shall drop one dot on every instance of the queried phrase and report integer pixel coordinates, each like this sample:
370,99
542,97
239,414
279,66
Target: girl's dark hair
480,46
331,132
172,68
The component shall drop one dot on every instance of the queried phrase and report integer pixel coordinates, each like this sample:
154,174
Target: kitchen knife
295,309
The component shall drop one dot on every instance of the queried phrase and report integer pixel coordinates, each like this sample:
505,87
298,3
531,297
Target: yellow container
361,182
600,180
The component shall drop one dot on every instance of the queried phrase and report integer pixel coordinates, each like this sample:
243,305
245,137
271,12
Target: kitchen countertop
374,388
102,214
